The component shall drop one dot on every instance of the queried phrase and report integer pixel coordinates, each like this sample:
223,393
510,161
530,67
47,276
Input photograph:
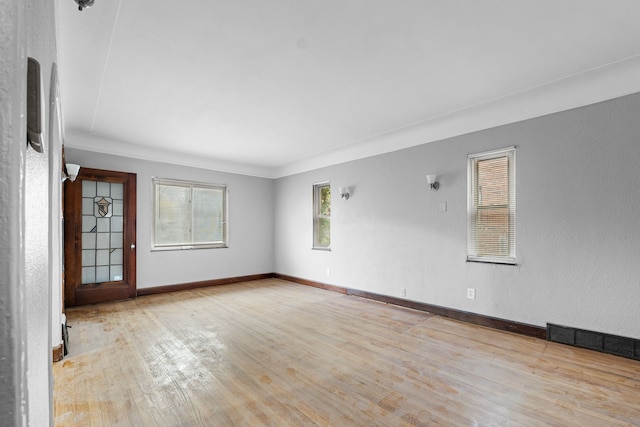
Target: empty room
319,213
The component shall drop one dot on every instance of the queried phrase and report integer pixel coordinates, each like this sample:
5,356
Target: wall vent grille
605,343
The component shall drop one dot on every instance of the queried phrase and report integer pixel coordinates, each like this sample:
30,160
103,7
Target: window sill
321,249
487,260
186,247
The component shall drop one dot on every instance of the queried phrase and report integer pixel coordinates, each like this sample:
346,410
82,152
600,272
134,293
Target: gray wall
13,331
578,223
26,29
39,217
251,210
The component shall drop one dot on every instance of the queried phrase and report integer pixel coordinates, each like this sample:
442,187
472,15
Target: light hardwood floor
275,353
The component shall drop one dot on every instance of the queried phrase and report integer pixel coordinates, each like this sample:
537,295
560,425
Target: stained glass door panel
99,237
102,228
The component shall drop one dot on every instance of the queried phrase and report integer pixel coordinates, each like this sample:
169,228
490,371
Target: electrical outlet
471,293
328,271
404,292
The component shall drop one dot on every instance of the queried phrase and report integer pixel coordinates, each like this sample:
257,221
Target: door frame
74,292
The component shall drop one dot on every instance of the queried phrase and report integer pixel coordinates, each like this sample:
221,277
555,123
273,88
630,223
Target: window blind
189,215
491,204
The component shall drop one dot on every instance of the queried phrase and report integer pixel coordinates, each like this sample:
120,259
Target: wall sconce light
70,172
433,182
344,192
84,3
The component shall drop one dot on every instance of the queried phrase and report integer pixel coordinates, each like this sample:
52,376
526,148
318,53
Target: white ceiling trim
100,144
599,84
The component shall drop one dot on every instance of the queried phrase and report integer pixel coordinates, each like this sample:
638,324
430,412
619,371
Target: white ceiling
271,88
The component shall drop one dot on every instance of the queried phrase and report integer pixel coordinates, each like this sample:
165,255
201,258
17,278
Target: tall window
189,215
492,207
322,216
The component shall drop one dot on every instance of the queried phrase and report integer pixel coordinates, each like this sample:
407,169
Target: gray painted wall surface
38,290
40,285
13,332
578,223
251,209
27,29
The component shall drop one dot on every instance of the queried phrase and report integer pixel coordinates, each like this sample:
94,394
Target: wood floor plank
275,353
573,380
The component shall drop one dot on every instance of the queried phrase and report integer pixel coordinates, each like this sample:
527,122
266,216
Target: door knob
133,246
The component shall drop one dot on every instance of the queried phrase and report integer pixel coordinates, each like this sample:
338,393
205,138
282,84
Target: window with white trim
189,215
491,204
322,216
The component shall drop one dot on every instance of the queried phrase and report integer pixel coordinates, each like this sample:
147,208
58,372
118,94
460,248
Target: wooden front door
99,237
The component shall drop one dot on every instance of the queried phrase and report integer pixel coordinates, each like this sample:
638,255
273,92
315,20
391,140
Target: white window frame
317,188
472,206
189,245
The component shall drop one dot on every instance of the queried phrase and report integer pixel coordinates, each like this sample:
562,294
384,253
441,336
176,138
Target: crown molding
83,140
588,87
